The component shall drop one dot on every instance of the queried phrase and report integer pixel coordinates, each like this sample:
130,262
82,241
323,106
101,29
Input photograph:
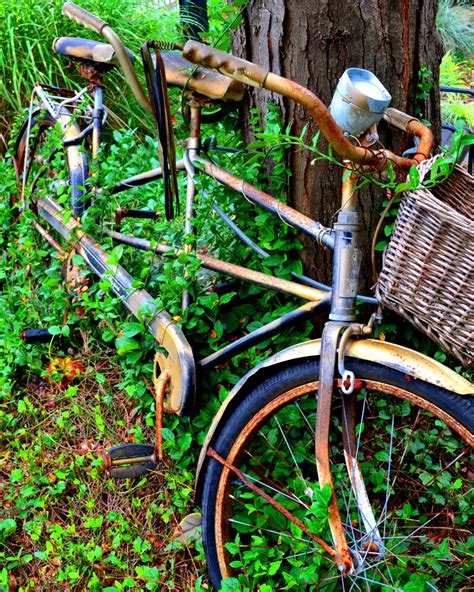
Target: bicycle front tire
414,442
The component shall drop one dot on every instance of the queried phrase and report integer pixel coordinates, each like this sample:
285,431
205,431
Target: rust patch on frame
161,384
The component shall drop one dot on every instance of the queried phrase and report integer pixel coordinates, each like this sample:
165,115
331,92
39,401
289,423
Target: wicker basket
428,270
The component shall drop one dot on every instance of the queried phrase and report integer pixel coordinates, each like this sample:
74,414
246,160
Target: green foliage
68,525
452,72
423,89
456,107
108,399
454,24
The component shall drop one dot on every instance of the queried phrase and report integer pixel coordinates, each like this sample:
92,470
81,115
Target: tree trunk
313,42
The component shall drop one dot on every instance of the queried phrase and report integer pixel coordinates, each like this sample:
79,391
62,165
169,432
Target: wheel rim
417,514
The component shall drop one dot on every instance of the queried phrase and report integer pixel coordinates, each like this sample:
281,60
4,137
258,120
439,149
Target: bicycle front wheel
48,168
413,445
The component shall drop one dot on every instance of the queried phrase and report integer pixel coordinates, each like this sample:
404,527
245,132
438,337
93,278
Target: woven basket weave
428,269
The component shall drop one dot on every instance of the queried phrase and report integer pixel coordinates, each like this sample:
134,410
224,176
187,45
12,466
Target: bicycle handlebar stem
255,75
91,21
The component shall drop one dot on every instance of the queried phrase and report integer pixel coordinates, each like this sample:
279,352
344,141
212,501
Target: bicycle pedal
127,461
36,335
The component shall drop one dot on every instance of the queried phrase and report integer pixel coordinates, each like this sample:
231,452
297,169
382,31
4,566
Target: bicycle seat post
97,117
94,74
193,147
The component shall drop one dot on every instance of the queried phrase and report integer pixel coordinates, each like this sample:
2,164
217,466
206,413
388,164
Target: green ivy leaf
125,344
7,527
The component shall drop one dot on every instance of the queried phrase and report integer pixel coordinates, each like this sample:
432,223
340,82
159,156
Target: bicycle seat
180,72
88,51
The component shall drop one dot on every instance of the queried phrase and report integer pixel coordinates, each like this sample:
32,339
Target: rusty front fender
410,363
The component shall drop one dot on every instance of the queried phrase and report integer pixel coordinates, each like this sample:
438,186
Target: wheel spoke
290,450
279,533
387,494
267,476
306,421
293,498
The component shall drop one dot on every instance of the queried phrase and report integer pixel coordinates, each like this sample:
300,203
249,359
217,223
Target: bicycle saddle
88,51
180,72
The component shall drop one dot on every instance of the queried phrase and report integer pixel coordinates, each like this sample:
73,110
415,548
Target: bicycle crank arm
127,461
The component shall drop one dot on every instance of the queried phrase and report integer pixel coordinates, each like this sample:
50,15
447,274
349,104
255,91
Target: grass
454,23
456,107
68,526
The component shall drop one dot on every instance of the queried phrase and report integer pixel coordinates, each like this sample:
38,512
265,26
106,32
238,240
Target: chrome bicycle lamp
359,102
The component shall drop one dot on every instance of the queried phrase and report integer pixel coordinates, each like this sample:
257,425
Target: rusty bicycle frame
175,373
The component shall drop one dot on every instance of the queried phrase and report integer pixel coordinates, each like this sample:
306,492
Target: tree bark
313,43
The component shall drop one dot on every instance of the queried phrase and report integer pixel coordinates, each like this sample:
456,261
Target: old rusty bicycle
338,463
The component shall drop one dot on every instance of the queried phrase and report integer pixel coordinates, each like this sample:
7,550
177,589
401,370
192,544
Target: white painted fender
396,357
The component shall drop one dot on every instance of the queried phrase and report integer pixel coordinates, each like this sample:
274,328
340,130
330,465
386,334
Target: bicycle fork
346,269
323,417
348,560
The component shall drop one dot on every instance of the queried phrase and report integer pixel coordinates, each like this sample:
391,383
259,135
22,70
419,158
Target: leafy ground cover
69,527
66,525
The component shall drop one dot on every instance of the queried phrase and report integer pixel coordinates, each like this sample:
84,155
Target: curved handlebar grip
235,68
83,17
398,119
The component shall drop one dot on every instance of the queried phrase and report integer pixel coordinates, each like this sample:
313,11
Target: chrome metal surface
359,102
97,117
180,359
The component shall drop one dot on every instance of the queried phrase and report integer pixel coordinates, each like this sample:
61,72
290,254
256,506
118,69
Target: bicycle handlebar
91,21
255,75
83,17
226,64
